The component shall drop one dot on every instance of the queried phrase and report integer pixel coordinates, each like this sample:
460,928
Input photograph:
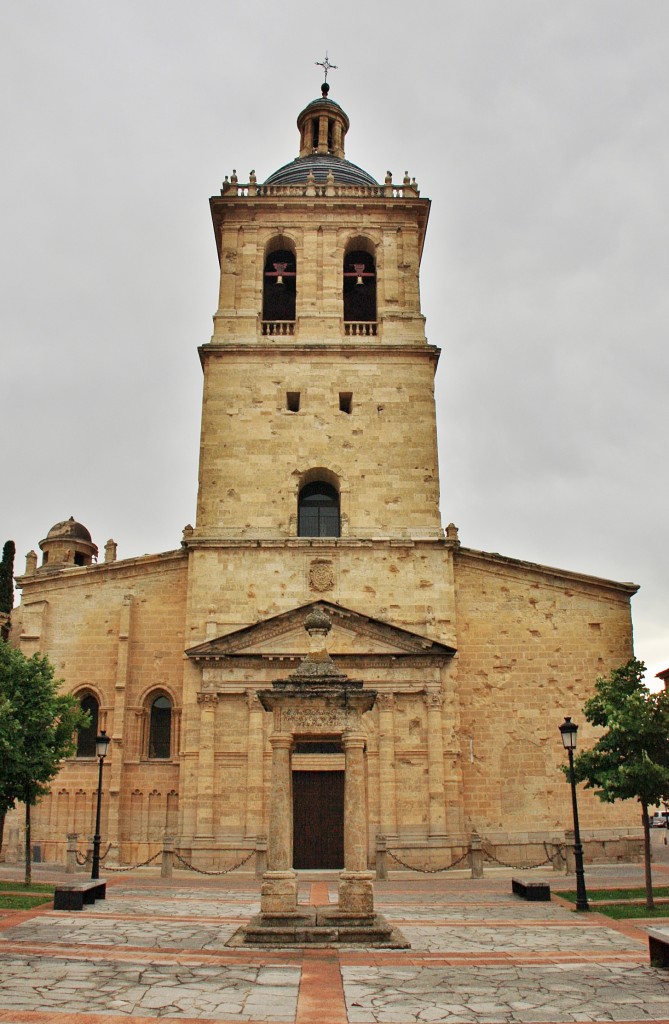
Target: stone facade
475,658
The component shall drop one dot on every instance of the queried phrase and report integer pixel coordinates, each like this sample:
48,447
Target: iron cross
326,65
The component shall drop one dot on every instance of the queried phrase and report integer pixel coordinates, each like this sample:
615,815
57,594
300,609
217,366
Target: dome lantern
67,543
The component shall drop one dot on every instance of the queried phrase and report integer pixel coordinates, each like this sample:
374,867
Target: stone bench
539,891
658,948
73,895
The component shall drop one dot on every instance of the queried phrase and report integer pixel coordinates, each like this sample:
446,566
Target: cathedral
319,495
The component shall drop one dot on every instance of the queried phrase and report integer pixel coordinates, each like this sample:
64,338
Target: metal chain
528,867
225,871
429,871
86,859
133,866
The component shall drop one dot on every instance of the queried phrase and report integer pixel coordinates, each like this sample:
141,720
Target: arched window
160,728
359,287
86,735
279,288
318,510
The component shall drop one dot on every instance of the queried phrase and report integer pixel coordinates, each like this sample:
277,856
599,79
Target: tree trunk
2,832
650,903
28,876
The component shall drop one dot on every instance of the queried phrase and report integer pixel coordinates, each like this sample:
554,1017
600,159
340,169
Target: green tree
37,729
6,587
631,759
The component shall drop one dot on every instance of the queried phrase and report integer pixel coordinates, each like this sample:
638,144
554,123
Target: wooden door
318,819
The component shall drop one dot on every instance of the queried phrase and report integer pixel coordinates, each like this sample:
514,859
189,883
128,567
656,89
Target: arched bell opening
359,287
279,286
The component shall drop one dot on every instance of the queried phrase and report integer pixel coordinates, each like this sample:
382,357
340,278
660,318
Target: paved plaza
157,949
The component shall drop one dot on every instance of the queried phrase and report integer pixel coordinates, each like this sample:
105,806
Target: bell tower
318,419
318,369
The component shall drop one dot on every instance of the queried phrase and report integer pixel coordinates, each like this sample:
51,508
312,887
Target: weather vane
326,65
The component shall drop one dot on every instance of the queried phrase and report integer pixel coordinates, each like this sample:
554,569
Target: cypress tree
6,586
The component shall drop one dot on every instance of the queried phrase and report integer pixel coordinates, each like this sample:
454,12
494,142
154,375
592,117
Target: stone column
356,895
279,888
205,776
254,769
387,795
435,765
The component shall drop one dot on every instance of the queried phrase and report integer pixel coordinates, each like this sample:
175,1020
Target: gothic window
359,287
278,301
86,735
318,510
160,728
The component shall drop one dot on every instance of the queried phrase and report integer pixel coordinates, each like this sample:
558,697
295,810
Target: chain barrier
88,858
519,867
134,866
225,871
429,871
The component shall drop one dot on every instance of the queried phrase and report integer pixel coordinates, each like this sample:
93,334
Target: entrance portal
318,819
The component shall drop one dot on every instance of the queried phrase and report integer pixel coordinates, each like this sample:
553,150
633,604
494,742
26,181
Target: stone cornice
366,352
214,540
167,560
548,572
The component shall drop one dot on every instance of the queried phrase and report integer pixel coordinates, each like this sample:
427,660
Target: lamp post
568,732
101,747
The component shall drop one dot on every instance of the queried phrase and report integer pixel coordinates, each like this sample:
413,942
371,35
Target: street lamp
101,747
568,732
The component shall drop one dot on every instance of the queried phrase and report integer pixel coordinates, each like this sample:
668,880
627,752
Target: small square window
293,401
346,401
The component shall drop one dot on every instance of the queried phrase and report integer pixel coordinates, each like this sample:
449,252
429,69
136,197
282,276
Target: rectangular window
293,401
346,401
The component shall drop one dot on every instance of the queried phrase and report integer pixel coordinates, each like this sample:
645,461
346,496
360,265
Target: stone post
381,858
356,895
555,854
167,863
261,856
71,855
279,889
570,840
476,855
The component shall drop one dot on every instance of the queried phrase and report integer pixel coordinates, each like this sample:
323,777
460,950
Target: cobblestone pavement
157,949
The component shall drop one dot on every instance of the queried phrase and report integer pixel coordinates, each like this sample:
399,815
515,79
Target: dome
69,528
322,126
320,164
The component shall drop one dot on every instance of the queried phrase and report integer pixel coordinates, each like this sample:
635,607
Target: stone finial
226,185
110,550
452,535
317,623
406,180
389,178
233,177
252,178
31,563
186,535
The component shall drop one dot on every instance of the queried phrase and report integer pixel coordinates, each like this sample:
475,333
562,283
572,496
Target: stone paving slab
207,992
448,939
81,930
505,995
122,906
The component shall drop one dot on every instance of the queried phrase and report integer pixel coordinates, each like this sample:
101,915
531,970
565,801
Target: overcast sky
539,130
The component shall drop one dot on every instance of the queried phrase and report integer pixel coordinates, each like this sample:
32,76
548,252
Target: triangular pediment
284,636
